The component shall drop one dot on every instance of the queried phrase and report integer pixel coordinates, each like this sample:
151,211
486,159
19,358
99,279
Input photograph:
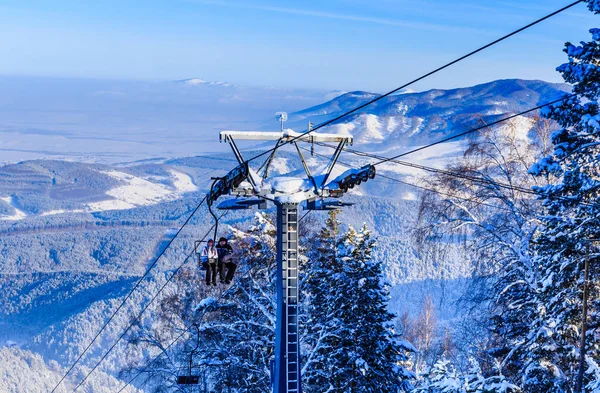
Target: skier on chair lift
227,267
209,257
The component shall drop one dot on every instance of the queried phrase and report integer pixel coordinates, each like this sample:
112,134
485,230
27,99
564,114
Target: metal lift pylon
314,193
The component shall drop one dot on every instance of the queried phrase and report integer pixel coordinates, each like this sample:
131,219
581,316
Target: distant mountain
414,118
198,81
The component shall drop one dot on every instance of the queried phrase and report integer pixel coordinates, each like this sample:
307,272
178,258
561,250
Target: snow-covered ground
61,211
133,191
141,192
18,215
27,372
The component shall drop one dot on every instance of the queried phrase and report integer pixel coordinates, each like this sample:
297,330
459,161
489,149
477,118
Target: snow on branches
569,224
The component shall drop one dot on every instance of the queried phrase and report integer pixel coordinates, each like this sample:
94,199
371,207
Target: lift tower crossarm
285,136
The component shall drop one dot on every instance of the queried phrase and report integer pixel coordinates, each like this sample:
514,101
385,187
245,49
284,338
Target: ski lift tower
313,192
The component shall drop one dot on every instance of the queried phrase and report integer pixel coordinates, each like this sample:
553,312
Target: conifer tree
353,346
571,220
475,382
442,378
319,337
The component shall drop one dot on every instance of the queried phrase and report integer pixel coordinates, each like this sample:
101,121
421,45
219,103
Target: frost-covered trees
570,224
25,371
423,331
347,341
443,377
352,347
532,251
217,333
486,206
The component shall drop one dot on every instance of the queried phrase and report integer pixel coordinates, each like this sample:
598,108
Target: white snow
205,303
182,182
371,130
134,192
519,127
26,371
416,125
343,128
61,211
141,192
392,124
19,214
198,81
195,81
288,185
280,165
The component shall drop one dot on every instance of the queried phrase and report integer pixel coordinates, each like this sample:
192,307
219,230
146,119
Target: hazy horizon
342,44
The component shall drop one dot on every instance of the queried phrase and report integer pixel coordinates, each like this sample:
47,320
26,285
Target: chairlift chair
190,378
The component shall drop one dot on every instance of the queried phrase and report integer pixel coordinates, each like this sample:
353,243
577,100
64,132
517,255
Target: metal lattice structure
313,192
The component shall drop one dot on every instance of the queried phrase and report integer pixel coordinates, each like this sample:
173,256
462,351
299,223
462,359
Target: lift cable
140,372
378,98
186,330
472,130
433,190
135,286
445,172
304,216
137,318
475,179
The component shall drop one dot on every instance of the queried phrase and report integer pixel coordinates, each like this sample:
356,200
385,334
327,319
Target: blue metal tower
320,192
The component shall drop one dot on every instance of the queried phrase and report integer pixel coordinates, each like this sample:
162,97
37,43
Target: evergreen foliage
443,377
569,225
353,348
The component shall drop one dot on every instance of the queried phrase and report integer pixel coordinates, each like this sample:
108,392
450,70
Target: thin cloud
337,16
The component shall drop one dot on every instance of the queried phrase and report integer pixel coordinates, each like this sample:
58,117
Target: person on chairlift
210,258
227,267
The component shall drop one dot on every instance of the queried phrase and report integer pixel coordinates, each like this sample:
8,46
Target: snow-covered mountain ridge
415,118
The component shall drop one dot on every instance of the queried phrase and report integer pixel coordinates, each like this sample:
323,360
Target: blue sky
336,44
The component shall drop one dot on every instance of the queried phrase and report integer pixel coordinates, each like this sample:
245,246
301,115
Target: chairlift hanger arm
267,163
306,168
238,155
332,162
236,151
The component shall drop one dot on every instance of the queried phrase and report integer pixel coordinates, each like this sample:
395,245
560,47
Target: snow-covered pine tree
441,378
319,335
353,345
475,382
571,220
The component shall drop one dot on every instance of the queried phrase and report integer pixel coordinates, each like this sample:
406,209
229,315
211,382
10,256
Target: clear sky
333,44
